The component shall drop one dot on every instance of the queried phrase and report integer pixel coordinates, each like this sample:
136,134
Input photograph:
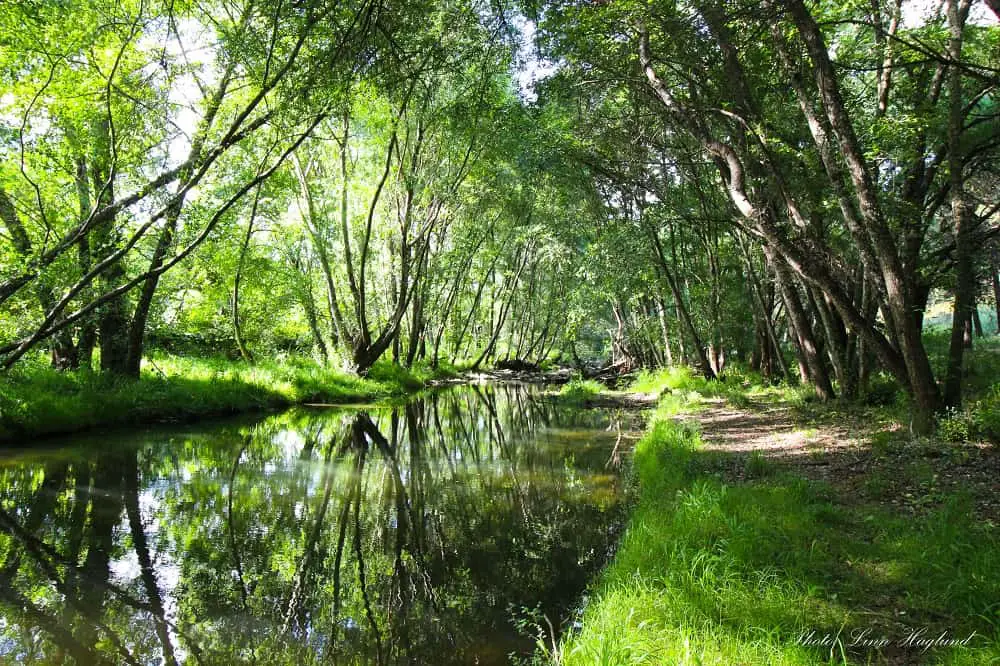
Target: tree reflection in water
405,535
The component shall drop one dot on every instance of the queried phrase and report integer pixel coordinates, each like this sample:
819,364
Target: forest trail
772,429
849,452
825,452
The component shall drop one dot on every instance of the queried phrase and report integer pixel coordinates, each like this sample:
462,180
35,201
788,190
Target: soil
860,460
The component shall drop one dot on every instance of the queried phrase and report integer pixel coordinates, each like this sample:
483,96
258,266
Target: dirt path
772,429
851,454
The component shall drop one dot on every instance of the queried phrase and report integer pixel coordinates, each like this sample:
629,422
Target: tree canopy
784,184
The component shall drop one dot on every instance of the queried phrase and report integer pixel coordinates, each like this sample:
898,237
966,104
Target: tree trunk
504,307
64,353
801,328
995,280
112,326
664,269
237,280
664,331
961,218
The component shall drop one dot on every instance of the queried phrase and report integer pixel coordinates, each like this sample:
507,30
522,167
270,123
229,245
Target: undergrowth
37,400
578,391
777,569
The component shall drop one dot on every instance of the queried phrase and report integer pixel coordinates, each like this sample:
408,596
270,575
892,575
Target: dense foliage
782,184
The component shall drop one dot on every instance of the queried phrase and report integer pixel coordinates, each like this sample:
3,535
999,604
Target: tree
760,113
120,143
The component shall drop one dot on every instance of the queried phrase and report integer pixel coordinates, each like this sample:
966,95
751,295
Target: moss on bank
779,569
37,401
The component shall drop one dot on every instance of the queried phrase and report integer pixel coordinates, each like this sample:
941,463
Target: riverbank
36,401
769,530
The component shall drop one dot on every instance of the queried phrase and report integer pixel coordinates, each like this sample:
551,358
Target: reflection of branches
31,544
46,558
489,399
355,488
361,567
615,460
62,637
42,504
77,519
415,503
419,472
436,415
542,409
469,439
496,435
309,548
408,515
399,566
141,547
234,551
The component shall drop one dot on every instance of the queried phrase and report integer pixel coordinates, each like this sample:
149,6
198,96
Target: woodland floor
860,460
869,469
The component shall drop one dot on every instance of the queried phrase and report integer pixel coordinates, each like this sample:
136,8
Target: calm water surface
434,532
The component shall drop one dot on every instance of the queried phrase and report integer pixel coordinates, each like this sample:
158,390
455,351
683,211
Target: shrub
980,420
882,391
578,390
984,416
954,426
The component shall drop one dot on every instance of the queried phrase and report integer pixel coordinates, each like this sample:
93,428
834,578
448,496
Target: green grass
710,572
579,391
738,387
36,400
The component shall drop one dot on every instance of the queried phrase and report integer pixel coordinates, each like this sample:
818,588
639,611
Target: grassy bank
36,400
740,560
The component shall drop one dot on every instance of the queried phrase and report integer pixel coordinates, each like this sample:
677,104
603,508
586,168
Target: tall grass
737,386
37,400
578,391
710,572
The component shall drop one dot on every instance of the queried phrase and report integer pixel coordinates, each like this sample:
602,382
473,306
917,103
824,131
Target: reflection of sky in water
458,492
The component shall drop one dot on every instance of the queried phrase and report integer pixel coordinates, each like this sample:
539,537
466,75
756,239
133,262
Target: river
450,529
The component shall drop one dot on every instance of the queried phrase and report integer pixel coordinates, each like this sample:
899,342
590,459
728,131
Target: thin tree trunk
799,322
662,316
995,280
504,307
475,307
961,218
237,279
765,312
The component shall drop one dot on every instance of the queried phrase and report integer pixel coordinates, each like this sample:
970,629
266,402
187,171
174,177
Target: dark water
436,532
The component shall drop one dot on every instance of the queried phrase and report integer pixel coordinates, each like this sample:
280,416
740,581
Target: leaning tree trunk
504,308
805,339
237,281
898,294
995,280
